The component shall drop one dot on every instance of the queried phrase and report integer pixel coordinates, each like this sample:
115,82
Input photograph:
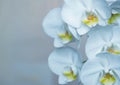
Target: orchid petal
83,29
116,7
53,23
106,13
72,16
58,43
62,80
116,34
99,6
74,32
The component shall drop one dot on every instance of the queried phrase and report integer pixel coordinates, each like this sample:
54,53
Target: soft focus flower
102,70
66,63
103,39
57,29
85,14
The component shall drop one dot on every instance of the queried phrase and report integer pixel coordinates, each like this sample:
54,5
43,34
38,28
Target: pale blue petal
102,21
116,34
91,79
112,61
58,42
102,8
73,3
53,23
72,15
62,57
74,32
62,79
116,7
83,29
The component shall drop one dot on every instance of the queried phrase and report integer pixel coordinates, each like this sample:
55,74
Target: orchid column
100,21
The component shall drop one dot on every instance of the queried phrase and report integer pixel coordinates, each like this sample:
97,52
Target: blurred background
24,47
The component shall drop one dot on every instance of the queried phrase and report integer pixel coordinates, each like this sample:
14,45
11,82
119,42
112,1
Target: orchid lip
111,48
69,73
91,19
108,79
113,18
113,51
65,36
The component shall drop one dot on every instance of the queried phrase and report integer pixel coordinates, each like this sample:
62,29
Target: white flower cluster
100,21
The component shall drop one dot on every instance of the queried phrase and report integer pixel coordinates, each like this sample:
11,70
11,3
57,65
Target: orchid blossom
83,15
56,28
66,63
104,69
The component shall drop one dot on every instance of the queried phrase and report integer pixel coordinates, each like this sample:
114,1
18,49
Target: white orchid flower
85,14
103,39
66,63
57,29
102,70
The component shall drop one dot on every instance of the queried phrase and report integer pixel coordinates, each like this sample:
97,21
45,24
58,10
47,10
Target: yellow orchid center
113,51
91,20
65,36
70,75
108,79
113,18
